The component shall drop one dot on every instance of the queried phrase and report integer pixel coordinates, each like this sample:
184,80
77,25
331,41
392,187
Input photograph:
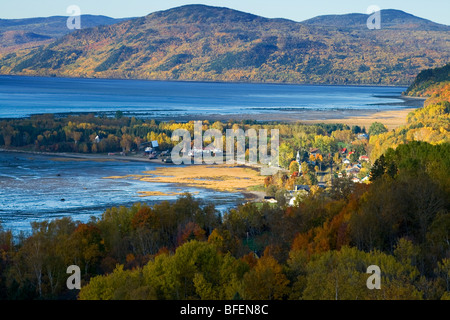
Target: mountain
37,31
390,19
198,42
14,38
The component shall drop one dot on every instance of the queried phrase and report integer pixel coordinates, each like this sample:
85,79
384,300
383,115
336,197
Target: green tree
196,270
341,275
444,271
280,196
119,285
119,114
378,168
377,128
286,154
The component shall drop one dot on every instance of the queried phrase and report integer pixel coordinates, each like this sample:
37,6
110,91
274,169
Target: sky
297,10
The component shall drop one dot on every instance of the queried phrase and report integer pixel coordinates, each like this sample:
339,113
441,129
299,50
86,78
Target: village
343,164
308,172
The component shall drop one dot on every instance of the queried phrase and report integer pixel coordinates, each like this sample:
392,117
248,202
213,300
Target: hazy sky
298,10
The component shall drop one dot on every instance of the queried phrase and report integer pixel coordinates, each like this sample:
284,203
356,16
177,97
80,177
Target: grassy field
224,177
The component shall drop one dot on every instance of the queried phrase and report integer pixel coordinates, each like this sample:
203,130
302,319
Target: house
270,199
314,151
212,150
155,144
97,139
292,201
195,152
148,146
346,161
208,150
300,192
364,158
148,150
353,171
303,187
363,136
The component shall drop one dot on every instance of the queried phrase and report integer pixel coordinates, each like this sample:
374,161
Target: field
222,177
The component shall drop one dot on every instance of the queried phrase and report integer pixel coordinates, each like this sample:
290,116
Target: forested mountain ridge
390,19
432,83
31,32
197,42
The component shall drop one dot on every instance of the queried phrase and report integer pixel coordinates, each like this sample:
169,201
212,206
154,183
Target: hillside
432,83
20,38
431,123
197,42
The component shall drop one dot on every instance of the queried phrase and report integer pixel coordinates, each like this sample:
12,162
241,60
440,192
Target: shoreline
209,81
191,172
391,118
87,156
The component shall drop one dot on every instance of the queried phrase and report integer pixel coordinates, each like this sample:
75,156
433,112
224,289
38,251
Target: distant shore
281,83
362,117
391,118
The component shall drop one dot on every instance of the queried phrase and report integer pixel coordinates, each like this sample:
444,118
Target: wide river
23,96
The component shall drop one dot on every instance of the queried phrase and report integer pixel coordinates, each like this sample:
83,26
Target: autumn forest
344,197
